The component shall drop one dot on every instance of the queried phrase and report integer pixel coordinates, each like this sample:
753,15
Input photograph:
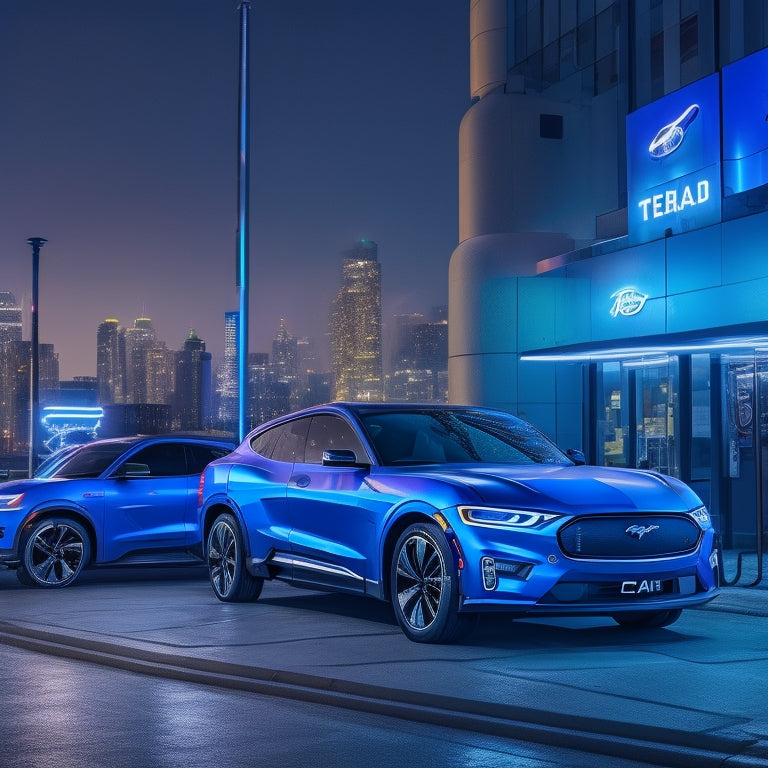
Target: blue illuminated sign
745,123
673,163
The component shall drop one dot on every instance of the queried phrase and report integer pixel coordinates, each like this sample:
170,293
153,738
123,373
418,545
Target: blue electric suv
123,501
449,511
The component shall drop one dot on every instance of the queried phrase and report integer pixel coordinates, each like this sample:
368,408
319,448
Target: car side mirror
340,458
576,456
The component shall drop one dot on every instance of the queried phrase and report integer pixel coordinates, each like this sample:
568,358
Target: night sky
118,139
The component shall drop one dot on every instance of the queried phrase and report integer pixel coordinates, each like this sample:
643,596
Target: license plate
641,587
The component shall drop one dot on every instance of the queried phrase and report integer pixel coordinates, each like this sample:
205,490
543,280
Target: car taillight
200,492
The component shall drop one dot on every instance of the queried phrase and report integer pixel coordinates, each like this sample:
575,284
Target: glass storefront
701,417
638,420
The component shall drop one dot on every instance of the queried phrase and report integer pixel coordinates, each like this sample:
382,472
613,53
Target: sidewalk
693,694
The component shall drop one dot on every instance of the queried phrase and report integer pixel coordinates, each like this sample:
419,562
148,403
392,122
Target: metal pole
242,229
34,367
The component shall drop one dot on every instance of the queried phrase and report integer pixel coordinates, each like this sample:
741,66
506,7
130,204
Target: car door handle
302,481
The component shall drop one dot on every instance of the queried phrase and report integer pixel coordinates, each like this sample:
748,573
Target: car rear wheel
647,619
53,553
425,587
229,576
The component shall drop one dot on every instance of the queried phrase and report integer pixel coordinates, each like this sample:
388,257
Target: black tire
647,619
424,587
225,554
53,553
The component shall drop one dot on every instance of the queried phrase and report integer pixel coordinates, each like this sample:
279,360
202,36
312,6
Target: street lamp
242,217
34,369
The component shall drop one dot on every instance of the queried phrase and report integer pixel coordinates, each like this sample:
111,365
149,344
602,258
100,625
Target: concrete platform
693,694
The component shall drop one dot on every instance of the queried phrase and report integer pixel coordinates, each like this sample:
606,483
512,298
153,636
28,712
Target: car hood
567,489
27,484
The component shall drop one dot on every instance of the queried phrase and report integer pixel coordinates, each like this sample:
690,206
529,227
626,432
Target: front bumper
528,573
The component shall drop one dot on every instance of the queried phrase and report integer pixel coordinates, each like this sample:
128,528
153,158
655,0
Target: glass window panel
701,418
612,420
689,38
585,42
567,55
605,41
568,16
586,10
657,65
606,73
551,64
550,19
533,23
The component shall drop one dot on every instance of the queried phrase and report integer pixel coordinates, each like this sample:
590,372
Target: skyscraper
356,326
419,359
138,340
227,375
10,333
193,373
110,362
10,318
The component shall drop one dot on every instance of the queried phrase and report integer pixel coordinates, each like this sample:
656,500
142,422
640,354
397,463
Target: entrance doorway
700,417
745,438
638,414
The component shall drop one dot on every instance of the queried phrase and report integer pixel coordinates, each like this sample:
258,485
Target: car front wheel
425,589
53,553
229,576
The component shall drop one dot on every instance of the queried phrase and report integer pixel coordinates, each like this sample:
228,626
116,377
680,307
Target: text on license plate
641,586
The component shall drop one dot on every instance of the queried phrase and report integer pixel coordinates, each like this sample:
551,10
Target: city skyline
123,127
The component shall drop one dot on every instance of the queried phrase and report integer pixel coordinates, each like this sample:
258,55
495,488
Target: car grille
629,537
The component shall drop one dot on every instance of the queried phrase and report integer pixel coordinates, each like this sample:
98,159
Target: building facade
356,351
610,282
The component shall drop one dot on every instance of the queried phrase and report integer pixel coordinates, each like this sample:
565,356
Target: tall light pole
242,224
34,368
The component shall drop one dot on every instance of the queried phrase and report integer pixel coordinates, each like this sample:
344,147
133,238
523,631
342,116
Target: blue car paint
343,517
125,516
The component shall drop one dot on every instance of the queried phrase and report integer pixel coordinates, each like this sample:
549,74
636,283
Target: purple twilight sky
118,137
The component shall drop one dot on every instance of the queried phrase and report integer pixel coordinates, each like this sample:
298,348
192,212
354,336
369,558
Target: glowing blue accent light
671,136
627,302
627,353
64,422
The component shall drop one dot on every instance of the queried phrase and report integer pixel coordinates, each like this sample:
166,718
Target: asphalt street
693,694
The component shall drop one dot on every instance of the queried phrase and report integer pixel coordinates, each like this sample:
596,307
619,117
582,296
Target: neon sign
673,163
671,136
664,203
627,302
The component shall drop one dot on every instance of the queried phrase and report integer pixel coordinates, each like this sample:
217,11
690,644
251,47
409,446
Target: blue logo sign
673,163
627,302
671,136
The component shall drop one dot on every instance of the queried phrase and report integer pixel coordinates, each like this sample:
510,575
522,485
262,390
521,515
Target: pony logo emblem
638,531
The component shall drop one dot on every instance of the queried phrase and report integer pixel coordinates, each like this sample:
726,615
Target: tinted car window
329,432
91,460
284,442
163,459
444,436
200,456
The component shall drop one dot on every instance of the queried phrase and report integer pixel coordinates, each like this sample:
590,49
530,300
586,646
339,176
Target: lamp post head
36,242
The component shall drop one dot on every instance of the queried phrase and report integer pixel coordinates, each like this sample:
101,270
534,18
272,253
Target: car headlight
492,517
10,501
702,517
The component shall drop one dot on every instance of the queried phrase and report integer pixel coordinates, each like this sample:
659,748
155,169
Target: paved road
692,694
60,712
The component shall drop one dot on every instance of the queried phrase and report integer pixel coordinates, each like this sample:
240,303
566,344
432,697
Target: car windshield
90,460
444,436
